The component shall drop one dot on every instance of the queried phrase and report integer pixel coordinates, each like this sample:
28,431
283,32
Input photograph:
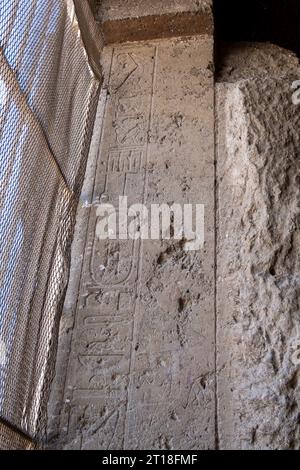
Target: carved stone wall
136,367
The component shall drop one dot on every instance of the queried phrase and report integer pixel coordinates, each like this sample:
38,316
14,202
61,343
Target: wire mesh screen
49,84
13,439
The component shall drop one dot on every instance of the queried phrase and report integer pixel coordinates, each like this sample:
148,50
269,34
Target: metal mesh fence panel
13,439
49,84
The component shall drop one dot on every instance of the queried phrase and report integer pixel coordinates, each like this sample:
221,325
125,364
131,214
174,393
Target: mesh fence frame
49,84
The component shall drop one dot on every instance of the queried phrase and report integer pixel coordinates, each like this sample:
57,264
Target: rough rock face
258,280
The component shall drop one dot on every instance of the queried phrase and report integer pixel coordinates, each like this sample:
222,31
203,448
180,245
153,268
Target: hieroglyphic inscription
105,318
143,347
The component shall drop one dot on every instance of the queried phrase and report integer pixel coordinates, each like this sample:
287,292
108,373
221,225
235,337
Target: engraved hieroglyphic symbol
107,374
99,426
105,339
131,120
112,305
130,106
154,383
114,386
125,161
131,72
130,130
124,66
113,261
198,395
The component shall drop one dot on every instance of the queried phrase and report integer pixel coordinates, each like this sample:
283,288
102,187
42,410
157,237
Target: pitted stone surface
258,260
141,338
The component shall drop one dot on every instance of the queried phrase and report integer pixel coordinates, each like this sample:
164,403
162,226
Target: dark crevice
275,21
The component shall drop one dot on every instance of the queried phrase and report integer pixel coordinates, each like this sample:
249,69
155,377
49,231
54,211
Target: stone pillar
258,263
